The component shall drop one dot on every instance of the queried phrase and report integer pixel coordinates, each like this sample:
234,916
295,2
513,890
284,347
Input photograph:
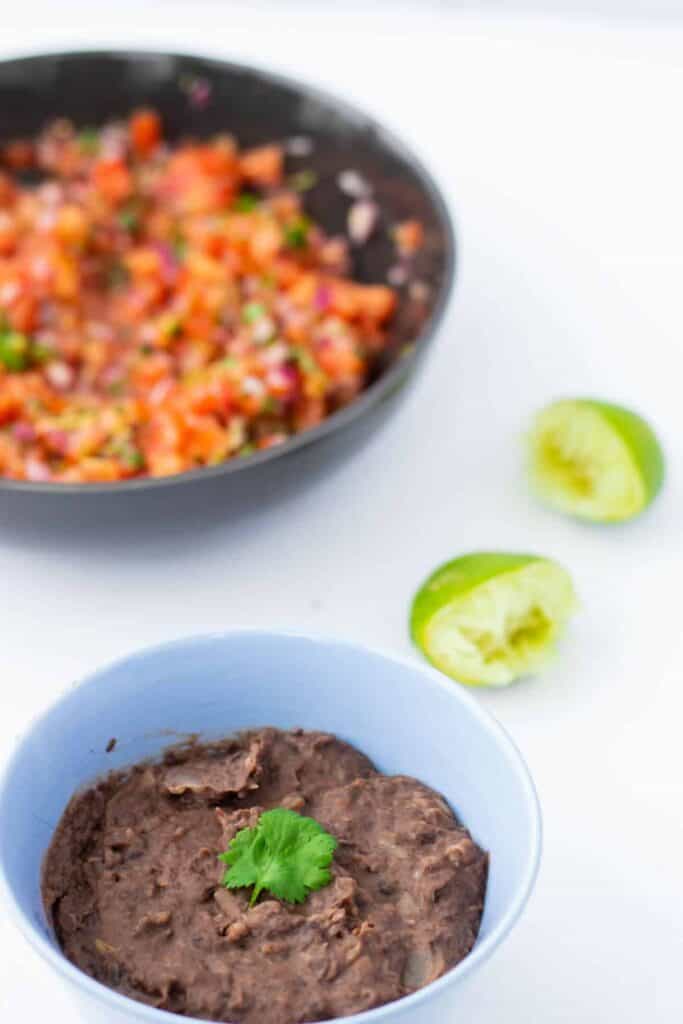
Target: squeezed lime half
486,619
595,460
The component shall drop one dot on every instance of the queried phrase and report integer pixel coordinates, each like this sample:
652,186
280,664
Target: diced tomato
409,236
263,165
265,243
375,301
145,131
8,191
303,290
113,180
309,412
9,234
72,225
151,369
207,442
19,155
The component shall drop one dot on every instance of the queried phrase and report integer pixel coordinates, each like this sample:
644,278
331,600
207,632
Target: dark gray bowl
256,106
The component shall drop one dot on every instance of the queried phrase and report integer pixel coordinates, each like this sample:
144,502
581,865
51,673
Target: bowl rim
371,396
486,721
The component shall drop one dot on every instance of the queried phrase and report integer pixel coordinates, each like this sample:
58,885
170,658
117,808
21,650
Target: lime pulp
489,618
595,460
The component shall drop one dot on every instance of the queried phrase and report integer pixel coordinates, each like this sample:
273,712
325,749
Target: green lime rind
489,618
595,460
457,577
641,440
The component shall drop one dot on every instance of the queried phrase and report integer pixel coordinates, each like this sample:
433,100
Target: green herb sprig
285,853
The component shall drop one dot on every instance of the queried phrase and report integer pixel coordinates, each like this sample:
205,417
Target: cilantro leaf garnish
286,853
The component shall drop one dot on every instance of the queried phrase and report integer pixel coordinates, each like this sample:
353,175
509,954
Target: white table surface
560,149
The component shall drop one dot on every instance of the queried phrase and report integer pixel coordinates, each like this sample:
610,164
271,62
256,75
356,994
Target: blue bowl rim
371,396
482,950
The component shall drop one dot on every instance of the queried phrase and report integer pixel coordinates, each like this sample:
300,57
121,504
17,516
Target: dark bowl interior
257,106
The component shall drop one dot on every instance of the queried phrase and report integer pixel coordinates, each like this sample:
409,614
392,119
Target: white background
560,149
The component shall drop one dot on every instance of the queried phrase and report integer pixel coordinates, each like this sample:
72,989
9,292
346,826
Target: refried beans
132,883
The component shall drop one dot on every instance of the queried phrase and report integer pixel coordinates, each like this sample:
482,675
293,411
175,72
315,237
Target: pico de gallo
166,307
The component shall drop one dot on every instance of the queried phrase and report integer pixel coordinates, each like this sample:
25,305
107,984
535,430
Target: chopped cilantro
171,326
246,202
15,350
304,180
296,233
118,275
179,246
41,353
305,360
286,853
129,218
88,141
133,458
271,405
252,312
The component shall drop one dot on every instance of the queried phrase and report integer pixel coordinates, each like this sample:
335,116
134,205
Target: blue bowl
406,717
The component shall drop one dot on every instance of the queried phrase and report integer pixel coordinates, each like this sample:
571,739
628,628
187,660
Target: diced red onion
60,375
46,338
334,253
397,276
40,269
354,184
111,376
61,130
51,193
253,386
24,432
148,333
100,331
250,285
114,141
362,220
323,297
263,330
47,220
199,93
283,379
419,291
57,440
272,440
283,306
275,354
299,145
159,392
169,263
9,291
37,470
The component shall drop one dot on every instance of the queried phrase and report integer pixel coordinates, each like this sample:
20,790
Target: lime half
488,618
595,460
